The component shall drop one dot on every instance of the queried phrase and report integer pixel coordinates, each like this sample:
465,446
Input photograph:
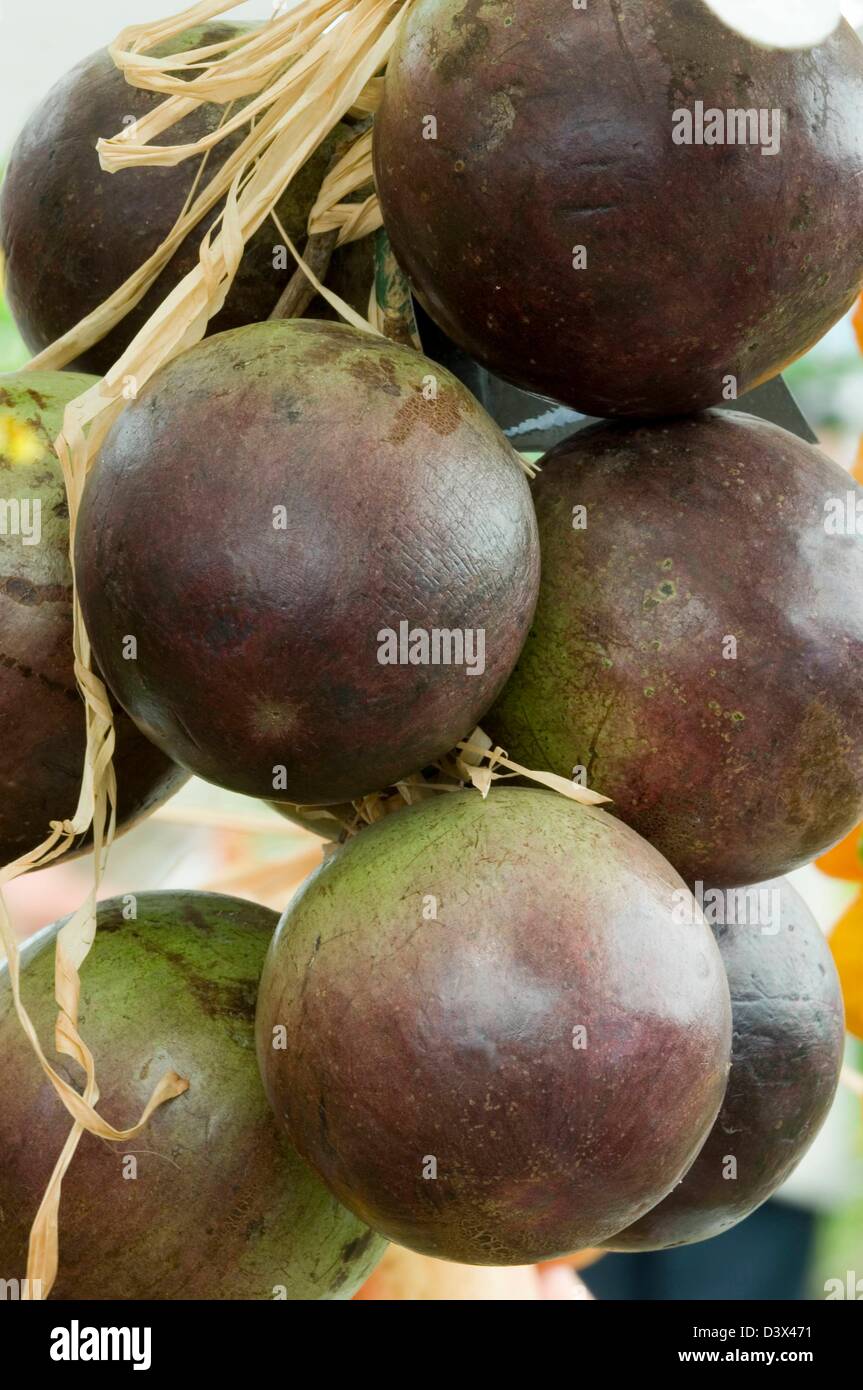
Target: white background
42,39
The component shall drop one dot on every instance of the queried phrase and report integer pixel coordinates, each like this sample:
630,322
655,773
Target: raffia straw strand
113,310
303,74
483,773
345,309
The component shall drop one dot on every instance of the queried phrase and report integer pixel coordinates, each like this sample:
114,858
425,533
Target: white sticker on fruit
780,23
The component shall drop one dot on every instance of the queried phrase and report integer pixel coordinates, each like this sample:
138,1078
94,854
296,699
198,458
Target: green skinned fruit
698,641
499,1040
221,1207
41,712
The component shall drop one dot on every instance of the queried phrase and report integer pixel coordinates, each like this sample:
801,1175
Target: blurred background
209,838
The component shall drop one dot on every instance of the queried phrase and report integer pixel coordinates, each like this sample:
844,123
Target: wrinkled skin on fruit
221,1206
434,977
555,132
698,642
41,711
786,1056
273,502
72,234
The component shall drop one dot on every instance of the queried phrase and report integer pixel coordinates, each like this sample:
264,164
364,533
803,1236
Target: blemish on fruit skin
440,415
735,716
649,691
268,715
666,564
661,594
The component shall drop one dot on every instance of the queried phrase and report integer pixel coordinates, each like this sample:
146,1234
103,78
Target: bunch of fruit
491,1029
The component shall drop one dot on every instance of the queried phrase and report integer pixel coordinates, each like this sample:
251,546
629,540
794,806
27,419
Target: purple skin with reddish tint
554,133
500,1041
698,641
276,501
72,234
786,1056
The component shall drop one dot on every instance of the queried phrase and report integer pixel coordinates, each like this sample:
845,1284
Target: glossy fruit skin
554,132
738,759
259,649
221,1207
451,1037
786,1056
41,711
71,234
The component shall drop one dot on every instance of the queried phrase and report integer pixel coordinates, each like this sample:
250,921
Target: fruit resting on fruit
286,519
41,711
552,184
484,1029
698,641
211,1201
72,234
786,1055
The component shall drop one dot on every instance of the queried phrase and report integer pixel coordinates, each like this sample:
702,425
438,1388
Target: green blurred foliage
839,1247
13,353
829,388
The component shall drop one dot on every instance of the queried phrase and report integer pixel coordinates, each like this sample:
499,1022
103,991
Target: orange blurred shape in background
857,321
846,943
845,860
582,1259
